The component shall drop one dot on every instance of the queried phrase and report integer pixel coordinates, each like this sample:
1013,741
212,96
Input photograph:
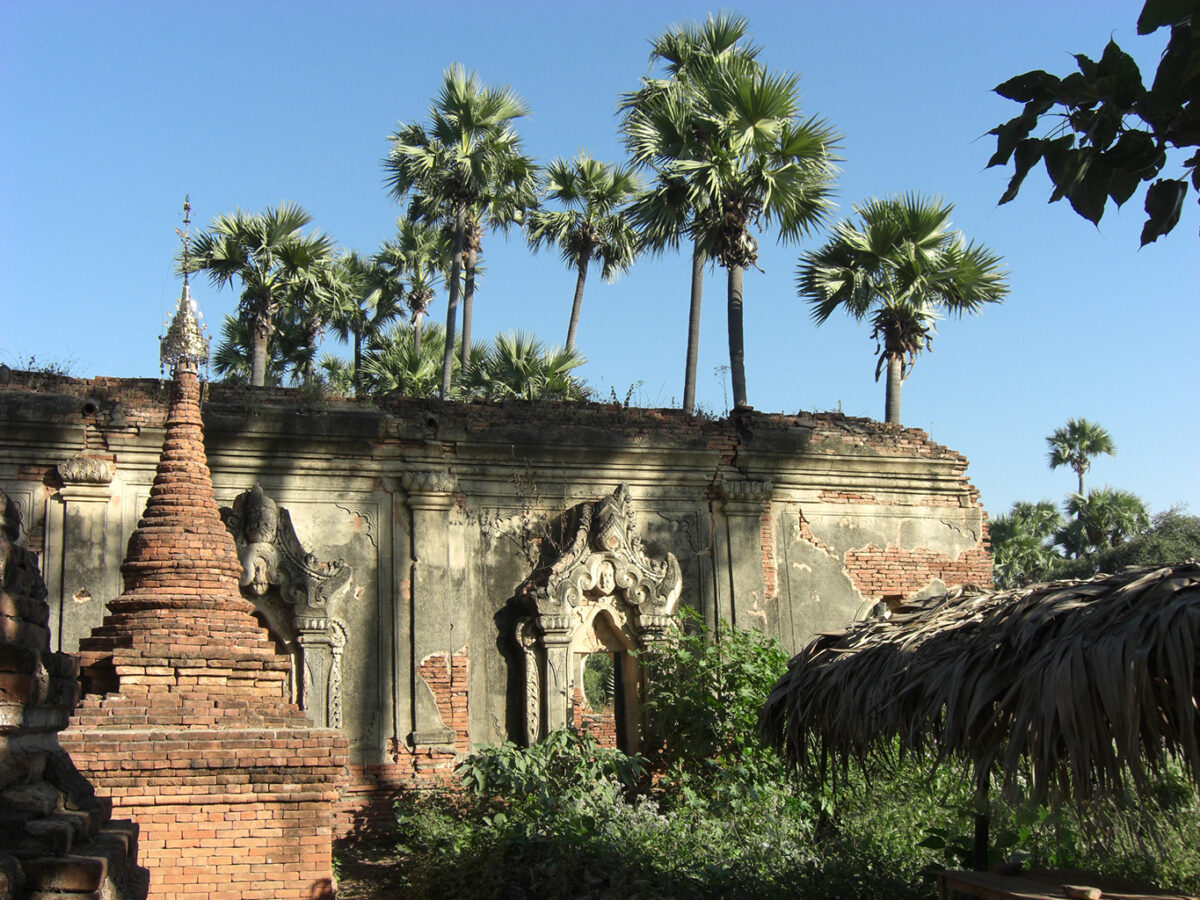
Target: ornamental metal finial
185,341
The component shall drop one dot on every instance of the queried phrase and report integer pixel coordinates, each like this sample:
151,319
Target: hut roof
1073,685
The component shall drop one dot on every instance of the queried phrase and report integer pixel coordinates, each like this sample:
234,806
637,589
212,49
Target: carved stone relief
603,593
298,595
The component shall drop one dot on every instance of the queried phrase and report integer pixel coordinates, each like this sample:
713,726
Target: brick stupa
186,722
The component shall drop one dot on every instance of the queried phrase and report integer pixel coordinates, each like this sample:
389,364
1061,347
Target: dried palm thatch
1071,688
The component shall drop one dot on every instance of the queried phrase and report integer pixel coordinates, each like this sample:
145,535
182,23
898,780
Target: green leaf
1121,185
1164,202
1157,13
1119,77
1028,153
1137,152
1089,193
1035,85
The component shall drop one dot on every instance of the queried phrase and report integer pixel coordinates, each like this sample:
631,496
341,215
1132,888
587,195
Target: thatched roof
1076,685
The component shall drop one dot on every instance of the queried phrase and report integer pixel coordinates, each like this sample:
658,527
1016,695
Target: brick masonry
186,724
57,838
853,510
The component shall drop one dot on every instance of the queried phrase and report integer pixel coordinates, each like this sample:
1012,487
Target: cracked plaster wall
791,524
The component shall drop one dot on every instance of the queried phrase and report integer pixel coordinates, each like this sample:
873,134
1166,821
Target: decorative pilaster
743,502
431,499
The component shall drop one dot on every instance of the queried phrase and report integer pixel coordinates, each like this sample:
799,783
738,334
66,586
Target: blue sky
111,111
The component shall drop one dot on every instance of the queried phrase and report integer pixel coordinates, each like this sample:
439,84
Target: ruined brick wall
793,524
600,724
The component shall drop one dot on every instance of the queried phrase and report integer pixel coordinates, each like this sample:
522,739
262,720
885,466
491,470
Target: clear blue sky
111,111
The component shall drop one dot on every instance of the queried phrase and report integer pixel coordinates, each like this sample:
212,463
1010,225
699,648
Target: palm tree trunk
258,355
417,323
737,346
577,304
693,338
460,228
468,303
895,378
356,375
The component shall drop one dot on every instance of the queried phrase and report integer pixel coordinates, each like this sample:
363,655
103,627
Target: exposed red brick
187,726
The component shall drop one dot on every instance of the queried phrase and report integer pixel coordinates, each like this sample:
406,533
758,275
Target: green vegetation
709,812
902,267
1111,133
1103,530
593,227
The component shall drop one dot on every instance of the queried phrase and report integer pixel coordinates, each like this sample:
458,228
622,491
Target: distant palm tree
338,375
664,125
392,362
1104,519
417,257
1076,443
519,366
1022,542
593,227
466,165
275,263
369,299
232,359
900,265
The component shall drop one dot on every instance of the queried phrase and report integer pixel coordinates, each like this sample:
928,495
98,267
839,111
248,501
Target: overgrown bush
713,813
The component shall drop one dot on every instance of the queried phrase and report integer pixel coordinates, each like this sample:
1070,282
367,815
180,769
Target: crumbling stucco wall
792,524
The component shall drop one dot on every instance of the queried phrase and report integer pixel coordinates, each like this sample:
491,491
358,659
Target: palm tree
272,259
1103,519
901,266
369,300
1076,443
233,358
393,362
593,227
519,366
663,126
465,165
417,257
1022,542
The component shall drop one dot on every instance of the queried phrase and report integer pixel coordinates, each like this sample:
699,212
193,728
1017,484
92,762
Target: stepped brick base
237,813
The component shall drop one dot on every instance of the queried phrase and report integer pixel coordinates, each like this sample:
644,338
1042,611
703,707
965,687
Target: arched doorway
602,595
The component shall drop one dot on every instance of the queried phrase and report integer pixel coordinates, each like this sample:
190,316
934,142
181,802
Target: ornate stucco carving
86,470
438,481
298,594
740,489
606,558
603,581
272,555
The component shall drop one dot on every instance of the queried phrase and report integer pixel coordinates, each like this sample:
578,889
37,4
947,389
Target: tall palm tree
1076,443
460,168
593,227
272,259
663,125
764,167
900,265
